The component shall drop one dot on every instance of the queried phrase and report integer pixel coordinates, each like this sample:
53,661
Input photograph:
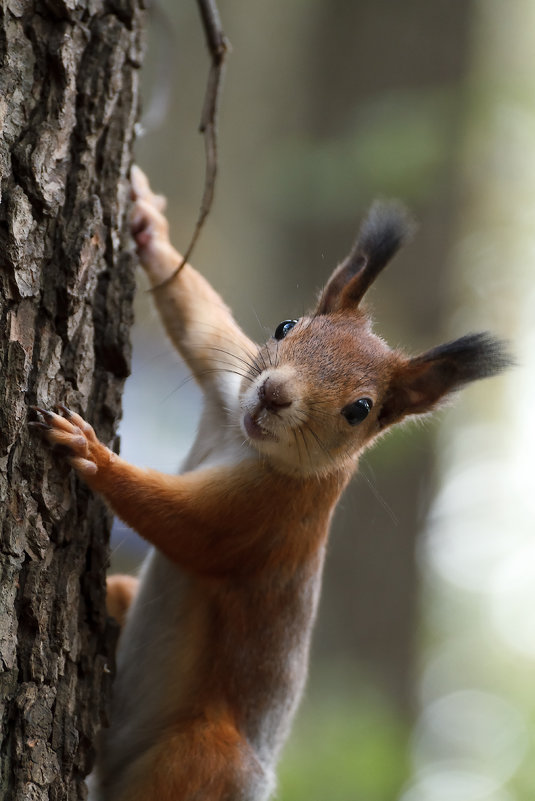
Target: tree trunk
68,104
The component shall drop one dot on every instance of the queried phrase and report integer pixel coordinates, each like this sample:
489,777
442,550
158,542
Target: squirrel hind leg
213,762
120,591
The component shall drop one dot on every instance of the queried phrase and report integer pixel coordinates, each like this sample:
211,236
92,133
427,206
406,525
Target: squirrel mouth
253,428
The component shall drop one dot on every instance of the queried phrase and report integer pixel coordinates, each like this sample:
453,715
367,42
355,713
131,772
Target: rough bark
68,104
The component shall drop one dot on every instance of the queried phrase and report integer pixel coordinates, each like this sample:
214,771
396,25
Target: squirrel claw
41,412
64,410
71,434
39,424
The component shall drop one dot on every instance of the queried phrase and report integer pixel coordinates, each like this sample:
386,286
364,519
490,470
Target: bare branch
218,47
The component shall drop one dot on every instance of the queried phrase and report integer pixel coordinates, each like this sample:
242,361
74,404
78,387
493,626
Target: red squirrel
213,653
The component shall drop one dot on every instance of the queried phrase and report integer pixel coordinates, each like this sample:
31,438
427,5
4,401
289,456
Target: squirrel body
213,653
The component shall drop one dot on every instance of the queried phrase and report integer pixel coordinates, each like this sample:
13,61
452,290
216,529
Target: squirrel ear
386,228
418,385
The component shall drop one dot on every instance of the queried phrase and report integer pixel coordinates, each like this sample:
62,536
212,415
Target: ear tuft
471,357
419,385
385,229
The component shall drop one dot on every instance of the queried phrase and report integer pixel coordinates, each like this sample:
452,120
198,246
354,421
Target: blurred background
422,682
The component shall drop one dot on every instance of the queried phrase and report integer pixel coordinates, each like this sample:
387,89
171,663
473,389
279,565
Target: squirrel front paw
150,230
147,221
70,431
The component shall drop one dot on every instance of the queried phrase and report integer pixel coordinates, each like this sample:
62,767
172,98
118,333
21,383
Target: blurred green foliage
396,145
347,743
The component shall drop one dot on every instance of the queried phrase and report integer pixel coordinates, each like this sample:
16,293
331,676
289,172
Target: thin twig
218,47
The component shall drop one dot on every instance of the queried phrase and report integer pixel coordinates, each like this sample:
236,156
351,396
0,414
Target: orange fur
213,656
120,591
220,521
215,761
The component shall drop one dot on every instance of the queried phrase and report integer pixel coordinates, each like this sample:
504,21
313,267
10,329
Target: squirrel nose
274,395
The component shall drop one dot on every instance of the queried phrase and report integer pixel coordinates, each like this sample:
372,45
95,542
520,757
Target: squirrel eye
357,411
283,328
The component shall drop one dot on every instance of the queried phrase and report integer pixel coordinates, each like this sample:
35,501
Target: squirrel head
324,386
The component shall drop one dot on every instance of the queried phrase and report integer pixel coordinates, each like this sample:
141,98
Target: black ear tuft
471,357
385,229
419,385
